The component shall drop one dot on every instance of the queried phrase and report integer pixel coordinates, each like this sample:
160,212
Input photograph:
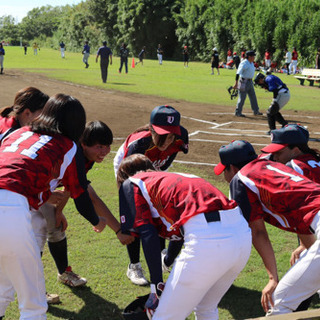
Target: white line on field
223,142
284,115
196,163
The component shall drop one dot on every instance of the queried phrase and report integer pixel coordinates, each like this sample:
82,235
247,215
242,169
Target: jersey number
31,152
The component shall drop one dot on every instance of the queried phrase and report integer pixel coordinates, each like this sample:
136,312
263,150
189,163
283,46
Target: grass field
100,257
168,80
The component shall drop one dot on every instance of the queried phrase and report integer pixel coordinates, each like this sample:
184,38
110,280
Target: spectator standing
2,54
236,60
35,48
124,53
185,54
105,54
244,83
25,48
159,53
281,96
215,60
141,55
243,55
86,53
294,61
288,58
62,49
318,59
267,59
229,56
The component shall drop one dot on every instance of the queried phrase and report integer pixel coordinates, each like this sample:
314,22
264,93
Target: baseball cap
290,134
237,151
165,119
215,49
250,53
234,53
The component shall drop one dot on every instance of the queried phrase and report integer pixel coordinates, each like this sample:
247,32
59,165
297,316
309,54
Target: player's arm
103,211
306,241
262,244
110,56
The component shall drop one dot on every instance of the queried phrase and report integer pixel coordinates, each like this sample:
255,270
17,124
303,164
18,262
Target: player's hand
295,255
266,298
101,225
125,238
56,197
153,300
61,220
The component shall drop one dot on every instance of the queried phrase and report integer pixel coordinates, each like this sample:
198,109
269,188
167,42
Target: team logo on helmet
170,119
123,219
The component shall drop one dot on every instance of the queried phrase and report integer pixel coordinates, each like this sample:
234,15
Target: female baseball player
160,141
33,162
268,191
281,96
217,239
290,146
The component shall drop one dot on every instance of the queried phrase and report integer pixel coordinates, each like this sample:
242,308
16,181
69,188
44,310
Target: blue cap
238,151
291,134
165,119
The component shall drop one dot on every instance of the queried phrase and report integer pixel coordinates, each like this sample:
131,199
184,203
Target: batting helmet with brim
258,77
136,310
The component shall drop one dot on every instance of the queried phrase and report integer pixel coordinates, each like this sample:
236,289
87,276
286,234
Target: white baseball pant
214,254
21,268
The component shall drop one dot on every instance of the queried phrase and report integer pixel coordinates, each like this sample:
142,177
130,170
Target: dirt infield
209,126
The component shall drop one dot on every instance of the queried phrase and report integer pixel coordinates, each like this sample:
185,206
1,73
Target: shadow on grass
242,303
122,84
95,308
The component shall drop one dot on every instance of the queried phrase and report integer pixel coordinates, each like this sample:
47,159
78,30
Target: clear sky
19,8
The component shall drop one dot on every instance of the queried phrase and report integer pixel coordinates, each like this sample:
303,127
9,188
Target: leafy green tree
9,31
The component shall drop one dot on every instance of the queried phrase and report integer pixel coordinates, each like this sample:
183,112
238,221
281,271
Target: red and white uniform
282,197
307,165
141,142
7,125
169,201
31,166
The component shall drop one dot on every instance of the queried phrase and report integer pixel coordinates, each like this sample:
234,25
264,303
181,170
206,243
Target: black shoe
258,113
268,133
240,115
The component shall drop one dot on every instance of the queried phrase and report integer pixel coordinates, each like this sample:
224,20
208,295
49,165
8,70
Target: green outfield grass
170,80
100,257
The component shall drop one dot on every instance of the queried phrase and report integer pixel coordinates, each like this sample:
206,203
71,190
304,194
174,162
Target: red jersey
7,124
267,55
294,55
167,200
274,192
33,165
307,165
141,142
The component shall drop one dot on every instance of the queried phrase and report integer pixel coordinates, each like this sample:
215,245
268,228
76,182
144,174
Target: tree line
199,24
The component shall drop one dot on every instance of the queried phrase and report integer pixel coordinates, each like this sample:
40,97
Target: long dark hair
131,165
62,114
27,98
305,149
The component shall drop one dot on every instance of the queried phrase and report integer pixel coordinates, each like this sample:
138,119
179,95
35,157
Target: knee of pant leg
274,108
56,235
276,310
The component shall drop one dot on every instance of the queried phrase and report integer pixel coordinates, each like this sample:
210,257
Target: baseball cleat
136,274
71,279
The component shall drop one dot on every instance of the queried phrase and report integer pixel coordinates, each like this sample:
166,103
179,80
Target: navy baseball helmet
291,134
236,152
165,119
258,77
136,310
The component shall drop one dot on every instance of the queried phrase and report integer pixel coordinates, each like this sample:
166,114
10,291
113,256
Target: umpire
244,84
105,54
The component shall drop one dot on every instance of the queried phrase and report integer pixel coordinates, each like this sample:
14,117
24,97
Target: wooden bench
313,314
311,75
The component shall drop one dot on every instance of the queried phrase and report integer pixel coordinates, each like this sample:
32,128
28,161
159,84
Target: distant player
271,192
217,239
281,96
